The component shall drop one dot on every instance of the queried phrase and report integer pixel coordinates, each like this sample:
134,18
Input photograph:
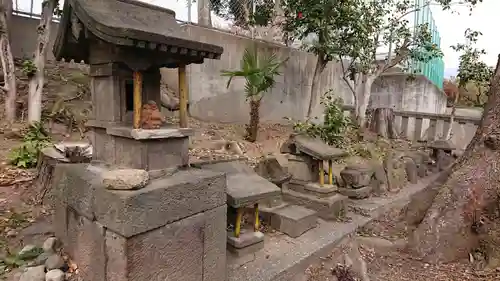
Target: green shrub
335,124
26,155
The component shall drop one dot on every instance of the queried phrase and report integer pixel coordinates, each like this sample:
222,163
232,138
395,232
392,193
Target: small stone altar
137,212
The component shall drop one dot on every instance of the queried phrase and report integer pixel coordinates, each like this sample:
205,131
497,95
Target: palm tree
259,73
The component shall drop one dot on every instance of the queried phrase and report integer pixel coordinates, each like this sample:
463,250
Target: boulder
357,176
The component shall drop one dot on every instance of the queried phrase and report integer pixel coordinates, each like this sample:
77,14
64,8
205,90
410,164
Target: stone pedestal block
172,229
140,149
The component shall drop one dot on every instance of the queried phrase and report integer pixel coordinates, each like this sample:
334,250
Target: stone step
328,208
293,220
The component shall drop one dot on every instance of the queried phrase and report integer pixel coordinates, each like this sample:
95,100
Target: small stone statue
151,117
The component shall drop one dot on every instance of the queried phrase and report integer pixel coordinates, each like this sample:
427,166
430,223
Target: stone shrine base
172,229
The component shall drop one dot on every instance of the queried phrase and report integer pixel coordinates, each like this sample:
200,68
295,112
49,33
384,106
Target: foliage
334,126
28,68
354,30
241,11
20,259
258,71
35,139
471,70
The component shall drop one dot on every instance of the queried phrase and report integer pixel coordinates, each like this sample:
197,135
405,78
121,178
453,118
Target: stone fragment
36,273
50,245
379,181
54,261
125,179
357,176
356,193
40,260
411,170
54,275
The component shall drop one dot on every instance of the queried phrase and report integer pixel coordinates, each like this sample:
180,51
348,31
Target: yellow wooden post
237,227
257,220
183,97
137,99
321,173
330,172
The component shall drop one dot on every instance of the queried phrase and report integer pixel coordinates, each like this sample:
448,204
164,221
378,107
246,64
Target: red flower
299,15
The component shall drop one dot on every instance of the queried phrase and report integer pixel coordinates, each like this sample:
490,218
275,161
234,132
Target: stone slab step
293,220
328,208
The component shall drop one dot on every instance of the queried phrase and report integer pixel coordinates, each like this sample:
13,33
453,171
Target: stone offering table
137,212
245,189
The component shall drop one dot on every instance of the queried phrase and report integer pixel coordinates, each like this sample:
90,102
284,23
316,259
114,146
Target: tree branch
344,74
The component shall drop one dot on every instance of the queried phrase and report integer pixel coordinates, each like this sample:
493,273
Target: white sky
451,26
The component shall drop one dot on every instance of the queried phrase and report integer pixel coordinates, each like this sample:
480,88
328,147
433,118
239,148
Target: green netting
434,70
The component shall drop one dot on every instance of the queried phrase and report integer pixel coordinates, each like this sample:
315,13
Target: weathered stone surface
270,169
317,149
293,220
443,160
411,170
214,253
247,250
36,273
54,275
246,189
182,242
85,245
125,179
357,176
168,199
247,238
322,191
328,207
358,193
379,181
54,261
50,245
303,168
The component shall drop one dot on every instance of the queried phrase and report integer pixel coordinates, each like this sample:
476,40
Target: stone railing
422,126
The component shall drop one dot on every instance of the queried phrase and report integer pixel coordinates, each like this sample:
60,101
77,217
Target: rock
352,258
36,273
50,245
26,249
356,193
11,233
54,275
40,260
54,261
357,176
379,182
411,170
444,160
125,179
380,245
288,147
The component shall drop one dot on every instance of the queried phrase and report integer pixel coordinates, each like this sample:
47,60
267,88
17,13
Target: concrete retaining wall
211,100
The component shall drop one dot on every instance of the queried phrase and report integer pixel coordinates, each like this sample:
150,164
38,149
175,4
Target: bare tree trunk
447,136
383,123
253,124
37,80
451,227
320,66
363,92
8,67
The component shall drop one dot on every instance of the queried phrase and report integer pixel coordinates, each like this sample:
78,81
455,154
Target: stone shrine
137,212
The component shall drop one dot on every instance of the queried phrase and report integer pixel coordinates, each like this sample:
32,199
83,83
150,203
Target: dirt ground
388,262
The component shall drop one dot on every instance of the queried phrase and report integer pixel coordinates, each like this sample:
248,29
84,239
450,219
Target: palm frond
258,71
